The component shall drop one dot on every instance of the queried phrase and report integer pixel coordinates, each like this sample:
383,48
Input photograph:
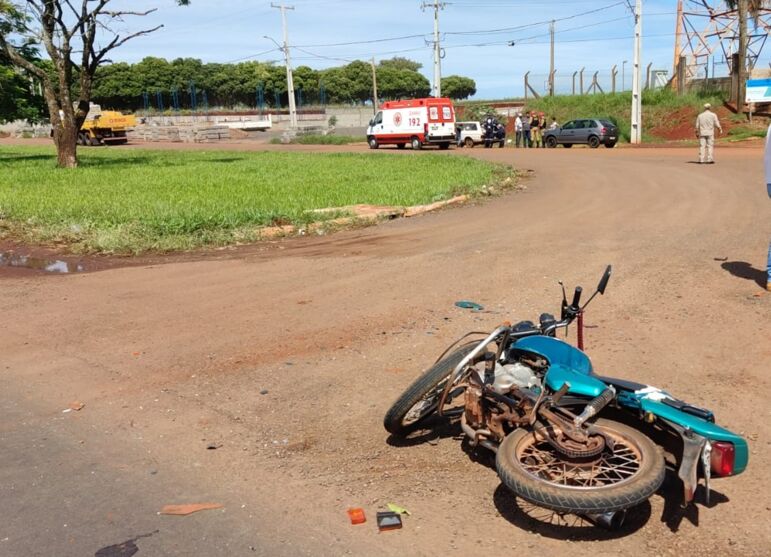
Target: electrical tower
706,30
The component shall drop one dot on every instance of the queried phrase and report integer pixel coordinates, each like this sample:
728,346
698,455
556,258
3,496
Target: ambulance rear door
441,122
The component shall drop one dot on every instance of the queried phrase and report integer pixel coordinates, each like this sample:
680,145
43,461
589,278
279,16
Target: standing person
706,122
768,189
554,125
517,130
535,129
526,130
542,127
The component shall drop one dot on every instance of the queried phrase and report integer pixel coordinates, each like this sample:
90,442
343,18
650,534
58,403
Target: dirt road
283,358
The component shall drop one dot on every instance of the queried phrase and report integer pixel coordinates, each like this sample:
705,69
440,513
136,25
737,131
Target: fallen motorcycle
536,401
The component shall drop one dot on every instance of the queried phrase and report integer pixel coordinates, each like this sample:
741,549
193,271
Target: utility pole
436,90
551,60
678,44
374,87
636,135
289,79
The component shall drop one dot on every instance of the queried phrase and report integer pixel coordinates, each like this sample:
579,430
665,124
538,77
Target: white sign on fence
759,90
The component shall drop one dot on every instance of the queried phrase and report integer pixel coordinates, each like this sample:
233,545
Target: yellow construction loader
105,127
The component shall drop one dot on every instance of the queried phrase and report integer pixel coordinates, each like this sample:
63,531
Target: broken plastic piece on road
357,516
387,520
397,509
184,510
465,304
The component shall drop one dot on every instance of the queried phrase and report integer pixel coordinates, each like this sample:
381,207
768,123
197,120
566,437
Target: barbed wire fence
617,79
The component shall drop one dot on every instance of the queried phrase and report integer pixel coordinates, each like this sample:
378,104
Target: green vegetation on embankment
660,109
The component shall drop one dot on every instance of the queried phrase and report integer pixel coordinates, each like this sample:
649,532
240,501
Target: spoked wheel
421,399
625,474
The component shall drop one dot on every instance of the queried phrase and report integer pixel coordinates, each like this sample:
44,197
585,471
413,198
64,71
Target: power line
251,56
535,24
404,37
475,32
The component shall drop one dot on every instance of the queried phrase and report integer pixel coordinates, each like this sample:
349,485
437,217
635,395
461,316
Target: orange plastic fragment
357,516
183,510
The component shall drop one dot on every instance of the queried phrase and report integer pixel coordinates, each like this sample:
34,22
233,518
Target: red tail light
425,130
722,458
604,130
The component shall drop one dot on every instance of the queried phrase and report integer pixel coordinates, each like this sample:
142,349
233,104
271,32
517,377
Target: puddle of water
11,259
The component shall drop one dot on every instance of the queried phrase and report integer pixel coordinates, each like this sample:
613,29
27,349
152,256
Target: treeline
188,83
18,98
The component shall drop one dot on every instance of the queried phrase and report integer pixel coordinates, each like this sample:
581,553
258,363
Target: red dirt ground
284,357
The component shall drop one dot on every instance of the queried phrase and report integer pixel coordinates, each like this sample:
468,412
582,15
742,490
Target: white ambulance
415,121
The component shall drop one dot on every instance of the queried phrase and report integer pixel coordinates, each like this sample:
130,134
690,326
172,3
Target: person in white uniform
706,122
768,189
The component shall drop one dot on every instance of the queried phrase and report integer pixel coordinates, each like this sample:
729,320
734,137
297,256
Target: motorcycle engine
514,375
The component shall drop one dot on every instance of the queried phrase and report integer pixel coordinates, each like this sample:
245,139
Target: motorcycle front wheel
620,477
421,399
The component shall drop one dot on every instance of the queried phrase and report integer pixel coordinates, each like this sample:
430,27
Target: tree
458,87
394,83
17,101
68,34
399,63
744,7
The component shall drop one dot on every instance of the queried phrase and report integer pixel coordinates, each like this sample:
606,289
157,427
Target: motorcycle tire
621,487
426,389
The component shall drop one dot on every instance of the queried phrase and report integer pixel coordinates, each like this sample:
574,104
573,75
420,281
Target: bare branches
121,14
118,41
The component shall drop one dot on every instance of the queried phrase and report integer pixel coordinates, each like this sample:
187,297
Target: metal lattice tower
707,30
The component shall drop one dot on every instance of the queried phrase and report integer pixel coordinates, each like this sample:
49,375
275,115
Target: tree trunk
742,73
66,141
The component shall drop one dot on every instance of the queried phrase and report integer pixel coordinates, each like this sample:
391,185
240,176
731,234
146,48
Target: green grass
131,201
738,133
658,107
323,139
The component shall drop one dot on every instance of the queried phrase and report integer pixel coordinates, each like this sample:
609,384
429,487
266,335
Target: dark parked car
588,131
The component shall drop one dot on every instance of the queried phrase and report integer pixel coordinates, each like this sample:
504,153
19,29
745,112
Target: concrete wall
22,128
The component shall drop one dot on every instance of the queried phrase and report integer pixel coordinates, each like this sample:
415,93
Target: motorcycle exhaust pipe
612,520
477,436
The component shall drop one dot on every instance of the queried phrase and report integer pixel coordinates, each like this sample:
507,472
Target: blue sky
475,34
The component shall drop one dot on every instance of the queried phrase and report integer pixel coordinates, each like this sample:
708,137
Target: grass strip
130,201
322,140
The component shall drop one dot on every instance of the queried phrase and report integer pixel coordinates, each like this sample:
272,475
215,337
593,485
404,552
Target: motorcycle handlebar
577,296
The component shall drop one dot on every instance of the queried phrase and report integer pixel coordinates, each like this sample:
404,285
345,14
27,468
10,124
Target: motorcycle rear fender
704,428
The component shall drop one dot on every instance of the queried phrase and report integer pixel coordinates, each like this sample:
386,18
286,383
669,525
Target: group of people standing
529,128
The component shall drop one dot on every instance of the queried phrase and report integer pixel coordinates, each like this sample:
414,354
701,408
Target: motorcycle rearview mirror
601,286
604,280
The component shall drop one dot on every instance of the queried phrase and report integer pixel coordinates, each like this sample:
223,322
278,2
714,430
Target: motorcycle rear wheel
618,479
421,399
